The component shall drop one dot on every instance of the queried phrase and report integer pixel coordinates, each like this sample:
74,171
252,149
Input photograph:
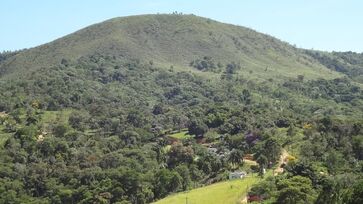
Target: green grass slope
228,192
172,40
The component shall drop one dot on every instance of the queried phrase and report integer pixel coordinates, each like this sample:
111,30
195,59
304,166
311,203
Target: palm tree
235,157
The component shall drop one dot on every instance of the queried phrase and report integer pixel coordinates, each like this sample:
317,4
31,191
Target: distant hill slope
349,63
172,40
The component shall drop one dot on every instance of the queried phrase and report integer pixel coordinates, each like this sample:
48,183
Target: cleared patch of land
49,117
181,135
228,192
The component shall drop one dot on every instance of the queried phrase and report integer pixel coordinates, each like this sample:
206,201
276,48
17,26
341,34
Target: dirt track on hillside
276,171
283,157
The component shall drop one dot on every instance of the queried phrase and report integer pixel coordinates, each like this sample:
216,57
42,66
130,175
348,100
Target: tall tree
235,157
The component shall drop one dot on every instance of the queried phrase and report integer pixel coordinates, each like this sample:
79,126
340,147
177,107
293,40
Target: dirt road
283,158
276,171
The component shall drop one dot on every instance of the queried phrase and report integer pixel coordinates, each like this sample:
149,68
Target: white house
237,175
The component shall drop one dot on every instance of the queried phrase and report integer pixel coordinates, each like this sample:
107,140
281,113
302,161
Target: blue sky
318,24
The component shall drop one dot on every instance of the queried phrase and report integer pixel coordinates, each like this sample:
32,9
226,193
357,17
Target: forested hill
134,109
172,40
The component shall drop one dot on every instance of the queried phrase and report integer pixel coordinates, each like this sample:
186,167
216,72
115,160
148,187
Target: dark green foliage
262,161
184,173
337,189
295,190
341,90
265,188
358,146
232,68
269,149
78,120
197,127
357,194
235,157
167,181
205,64
180,154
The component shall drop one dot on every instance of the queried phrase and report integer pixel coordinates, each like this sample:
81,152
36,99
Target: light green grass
228,192
49,117
167,148
181,135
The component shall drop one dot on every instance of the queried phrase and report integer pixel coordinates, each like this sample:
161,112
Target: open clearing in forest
181,135
227,192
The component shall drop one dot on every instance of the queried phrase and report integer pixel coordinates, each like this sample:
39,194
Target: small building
237,175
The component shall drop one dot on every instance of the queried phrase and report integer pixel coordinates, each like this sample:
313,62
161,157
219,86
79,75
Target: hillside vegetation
134,109
172,40
349,63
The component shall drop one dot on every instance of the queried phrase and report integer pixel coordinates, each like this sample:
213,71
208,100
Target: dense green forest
90,121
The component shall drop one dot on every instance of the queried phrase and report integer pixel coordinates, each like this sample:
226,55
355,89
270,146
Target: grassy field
181,135
228,192
56,116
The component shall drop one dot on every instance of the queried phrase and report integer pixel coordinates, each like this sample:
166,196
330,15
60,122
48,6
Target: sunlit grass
227,192
181,135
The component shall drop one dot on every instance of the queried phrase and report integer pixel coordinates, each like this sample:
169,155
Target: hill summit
172,40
